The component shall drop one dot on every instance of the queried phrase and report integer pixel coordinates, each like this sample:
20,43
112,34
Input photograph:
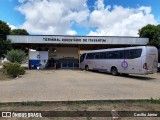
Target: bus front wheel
86,68
114,71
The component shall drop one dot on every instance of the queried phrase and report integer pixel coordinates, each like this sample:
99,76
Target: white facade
38,55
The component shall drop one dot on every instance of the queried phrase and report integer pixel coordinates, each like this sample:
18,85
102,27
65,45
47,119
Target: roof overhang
77,40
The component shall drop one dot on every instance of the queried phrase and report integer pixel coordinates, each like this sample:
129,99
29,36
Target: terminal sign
74,40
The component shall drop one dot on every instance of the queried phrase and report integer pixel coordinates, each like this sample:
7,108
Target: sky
80,17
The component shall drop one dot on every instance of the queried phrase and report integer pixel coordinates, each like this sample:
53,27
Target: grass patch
156,101
88,103
3,76
99,105
34,103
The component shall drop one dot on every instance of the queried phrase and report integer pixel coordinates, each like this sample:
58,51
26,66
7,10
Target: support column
79,55
28,57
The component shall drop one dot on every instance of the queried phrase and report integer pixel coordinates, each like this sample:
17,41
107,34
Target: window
82,57
138,53
131,54
103,55
126,54
121,54
111,55
90,56
135,53
97,55
116,54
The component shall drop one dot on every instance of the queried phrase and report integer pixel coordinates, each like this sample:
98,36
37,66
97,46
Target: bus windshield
82,57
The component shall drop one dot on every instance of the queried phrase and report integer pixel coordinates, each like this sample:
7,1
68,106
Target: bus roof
111,49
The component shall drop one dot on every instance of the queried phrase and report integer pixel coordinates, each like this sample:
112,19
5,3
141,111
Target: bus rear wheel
114,71
86,68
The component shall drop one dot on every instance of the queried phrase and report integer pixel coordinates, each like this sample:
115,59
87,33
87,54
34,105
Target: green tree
16,56
4,44
19,32
153,33
4,30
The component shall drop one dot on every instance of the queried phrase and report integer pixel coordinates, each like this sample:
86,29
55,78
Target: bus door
82,63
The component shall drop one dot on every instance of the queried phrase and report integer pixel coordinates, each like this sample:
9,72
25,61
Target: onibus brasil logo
21,114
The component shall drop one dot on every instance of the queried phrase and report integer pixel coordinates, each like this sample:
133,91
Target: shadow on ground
131,76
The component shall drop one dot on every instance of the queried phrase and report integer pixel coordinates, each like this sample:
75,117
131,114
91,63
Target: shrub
16,56
5,67
12,69
159,55
21,71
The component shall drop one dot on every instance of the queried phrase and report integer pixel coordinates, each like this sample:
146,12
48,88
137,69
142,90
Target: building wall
63,52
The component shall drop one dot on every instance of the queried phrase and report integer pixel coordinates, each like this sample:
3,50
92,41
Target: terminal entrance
63,57
58,57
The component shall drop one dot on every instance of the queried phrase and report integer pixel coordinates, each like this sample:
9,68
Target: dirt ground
72,85
85,106
79,86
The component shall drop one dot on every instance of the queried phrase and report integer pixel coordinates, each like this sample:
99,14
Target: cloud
119,21
61,16
71,32
53,16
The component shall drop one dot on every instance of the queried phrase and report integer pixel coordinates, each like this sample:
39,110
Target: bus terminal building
62,51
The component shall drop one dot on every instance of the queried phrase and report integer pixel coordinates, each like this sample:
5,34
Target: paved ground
62,85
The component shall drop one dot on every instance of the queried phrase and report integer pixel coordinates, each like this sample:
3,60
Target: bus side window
138,53
90,56
126,54
113,55
116,54
106,53
132,54
97,55
103,55
110,55
121,54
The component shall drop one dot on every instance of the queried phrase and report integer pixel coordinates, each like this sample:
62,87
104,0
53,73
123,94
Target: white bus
129,60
